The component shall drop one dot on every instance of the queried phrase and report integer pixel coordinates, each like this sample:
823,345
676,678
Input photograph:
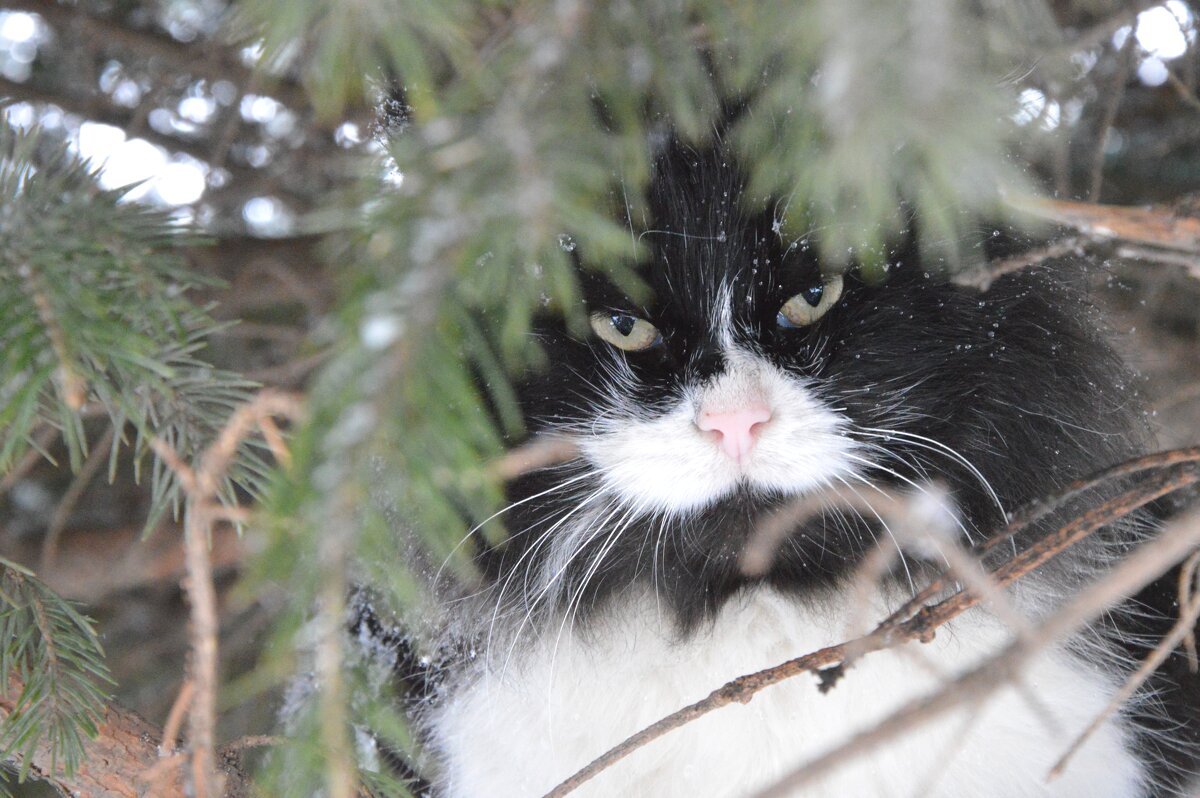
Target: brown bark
125,748
123,761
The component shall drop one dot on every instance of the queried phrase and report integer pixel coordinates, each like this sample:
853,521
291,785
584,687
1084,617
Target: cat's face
753,377
717,392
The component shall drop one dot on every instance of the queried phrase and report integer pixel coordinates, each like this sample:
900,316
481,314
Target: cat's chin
749,500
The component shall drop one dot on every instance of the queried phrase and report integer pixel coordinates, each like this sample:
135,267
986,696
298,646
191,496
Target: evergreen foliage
93,312
93,320
52,650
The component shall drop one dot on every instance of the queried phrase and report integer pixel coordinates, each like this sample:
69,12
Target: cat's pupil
623,323
812,295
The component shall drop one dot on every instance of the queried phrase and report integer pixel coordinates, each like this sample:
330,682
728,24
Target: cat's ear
808,306
625,331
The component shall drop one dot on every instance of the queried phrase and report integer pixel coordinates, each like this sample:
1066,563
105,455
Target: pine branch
94,312
50,663
123,759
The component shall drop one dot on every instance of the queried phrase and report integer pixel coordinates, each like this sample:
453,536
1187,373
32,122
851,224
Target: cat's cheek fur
668,466
519,726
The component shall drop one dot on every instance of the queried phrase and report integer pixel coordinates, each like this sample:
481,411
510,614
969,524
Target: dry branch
982,279
119,762
1189,613
66,505
1155,233
1115,93
1154,226
201,486
1147,563
126,746
918,620
538,453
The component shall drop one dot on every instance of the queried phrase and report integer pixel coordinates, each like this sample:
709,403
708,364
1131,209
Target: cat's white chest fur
533,715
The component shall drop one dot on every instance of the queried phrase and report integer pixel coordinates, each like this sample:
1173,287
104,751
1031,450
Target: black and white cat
751,378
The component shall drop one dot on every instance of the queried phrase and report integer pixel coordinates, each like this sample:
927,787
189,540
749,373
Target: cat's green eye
625,331
811,304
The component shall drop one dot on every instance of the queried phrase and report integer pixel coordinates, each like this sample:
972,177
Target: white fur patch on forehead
667,465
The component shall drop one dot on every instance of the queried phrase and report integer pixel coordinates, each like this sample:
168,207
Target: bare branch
932,511
1188,615
1116,93
917,620
1147,563
982,279
179,710
1155,226
201,486
538,453
66,505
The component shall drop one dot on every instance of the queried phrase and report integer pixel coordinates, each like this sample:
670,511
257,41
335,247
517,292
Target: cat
752,377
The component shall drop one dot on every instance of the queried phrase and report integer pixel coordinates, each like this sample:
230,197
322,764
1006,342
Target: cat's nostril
736,430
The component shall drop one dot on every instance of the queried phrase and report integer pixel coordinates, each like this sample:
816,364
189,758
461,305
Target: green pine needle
53,649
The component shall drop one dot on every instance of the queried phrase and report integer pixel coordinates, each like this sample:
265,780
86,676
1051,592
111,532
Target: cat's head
753,376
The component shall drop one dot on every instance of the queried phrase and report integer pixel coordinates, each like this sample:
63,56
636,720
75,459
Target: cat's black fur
1018,380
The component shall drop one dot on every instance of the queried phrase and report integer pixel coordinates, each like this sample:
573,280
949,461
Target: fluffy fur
573,696
617,598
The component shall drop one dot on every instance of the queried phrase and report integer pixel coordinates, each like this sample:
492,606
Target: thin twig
1104,30
1146,563
982,279
153,775
1182,90
179,709
1117,93
42,439
1038,510
291,372
538,453
1153,226
66,505
1190,261
202,631
71,384
918,621
931,510
1187,585
1188,615
275,441
216,460
203,508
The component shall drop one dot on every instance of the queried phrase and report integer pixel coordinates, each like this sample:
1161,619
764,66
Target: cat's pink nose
736,429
